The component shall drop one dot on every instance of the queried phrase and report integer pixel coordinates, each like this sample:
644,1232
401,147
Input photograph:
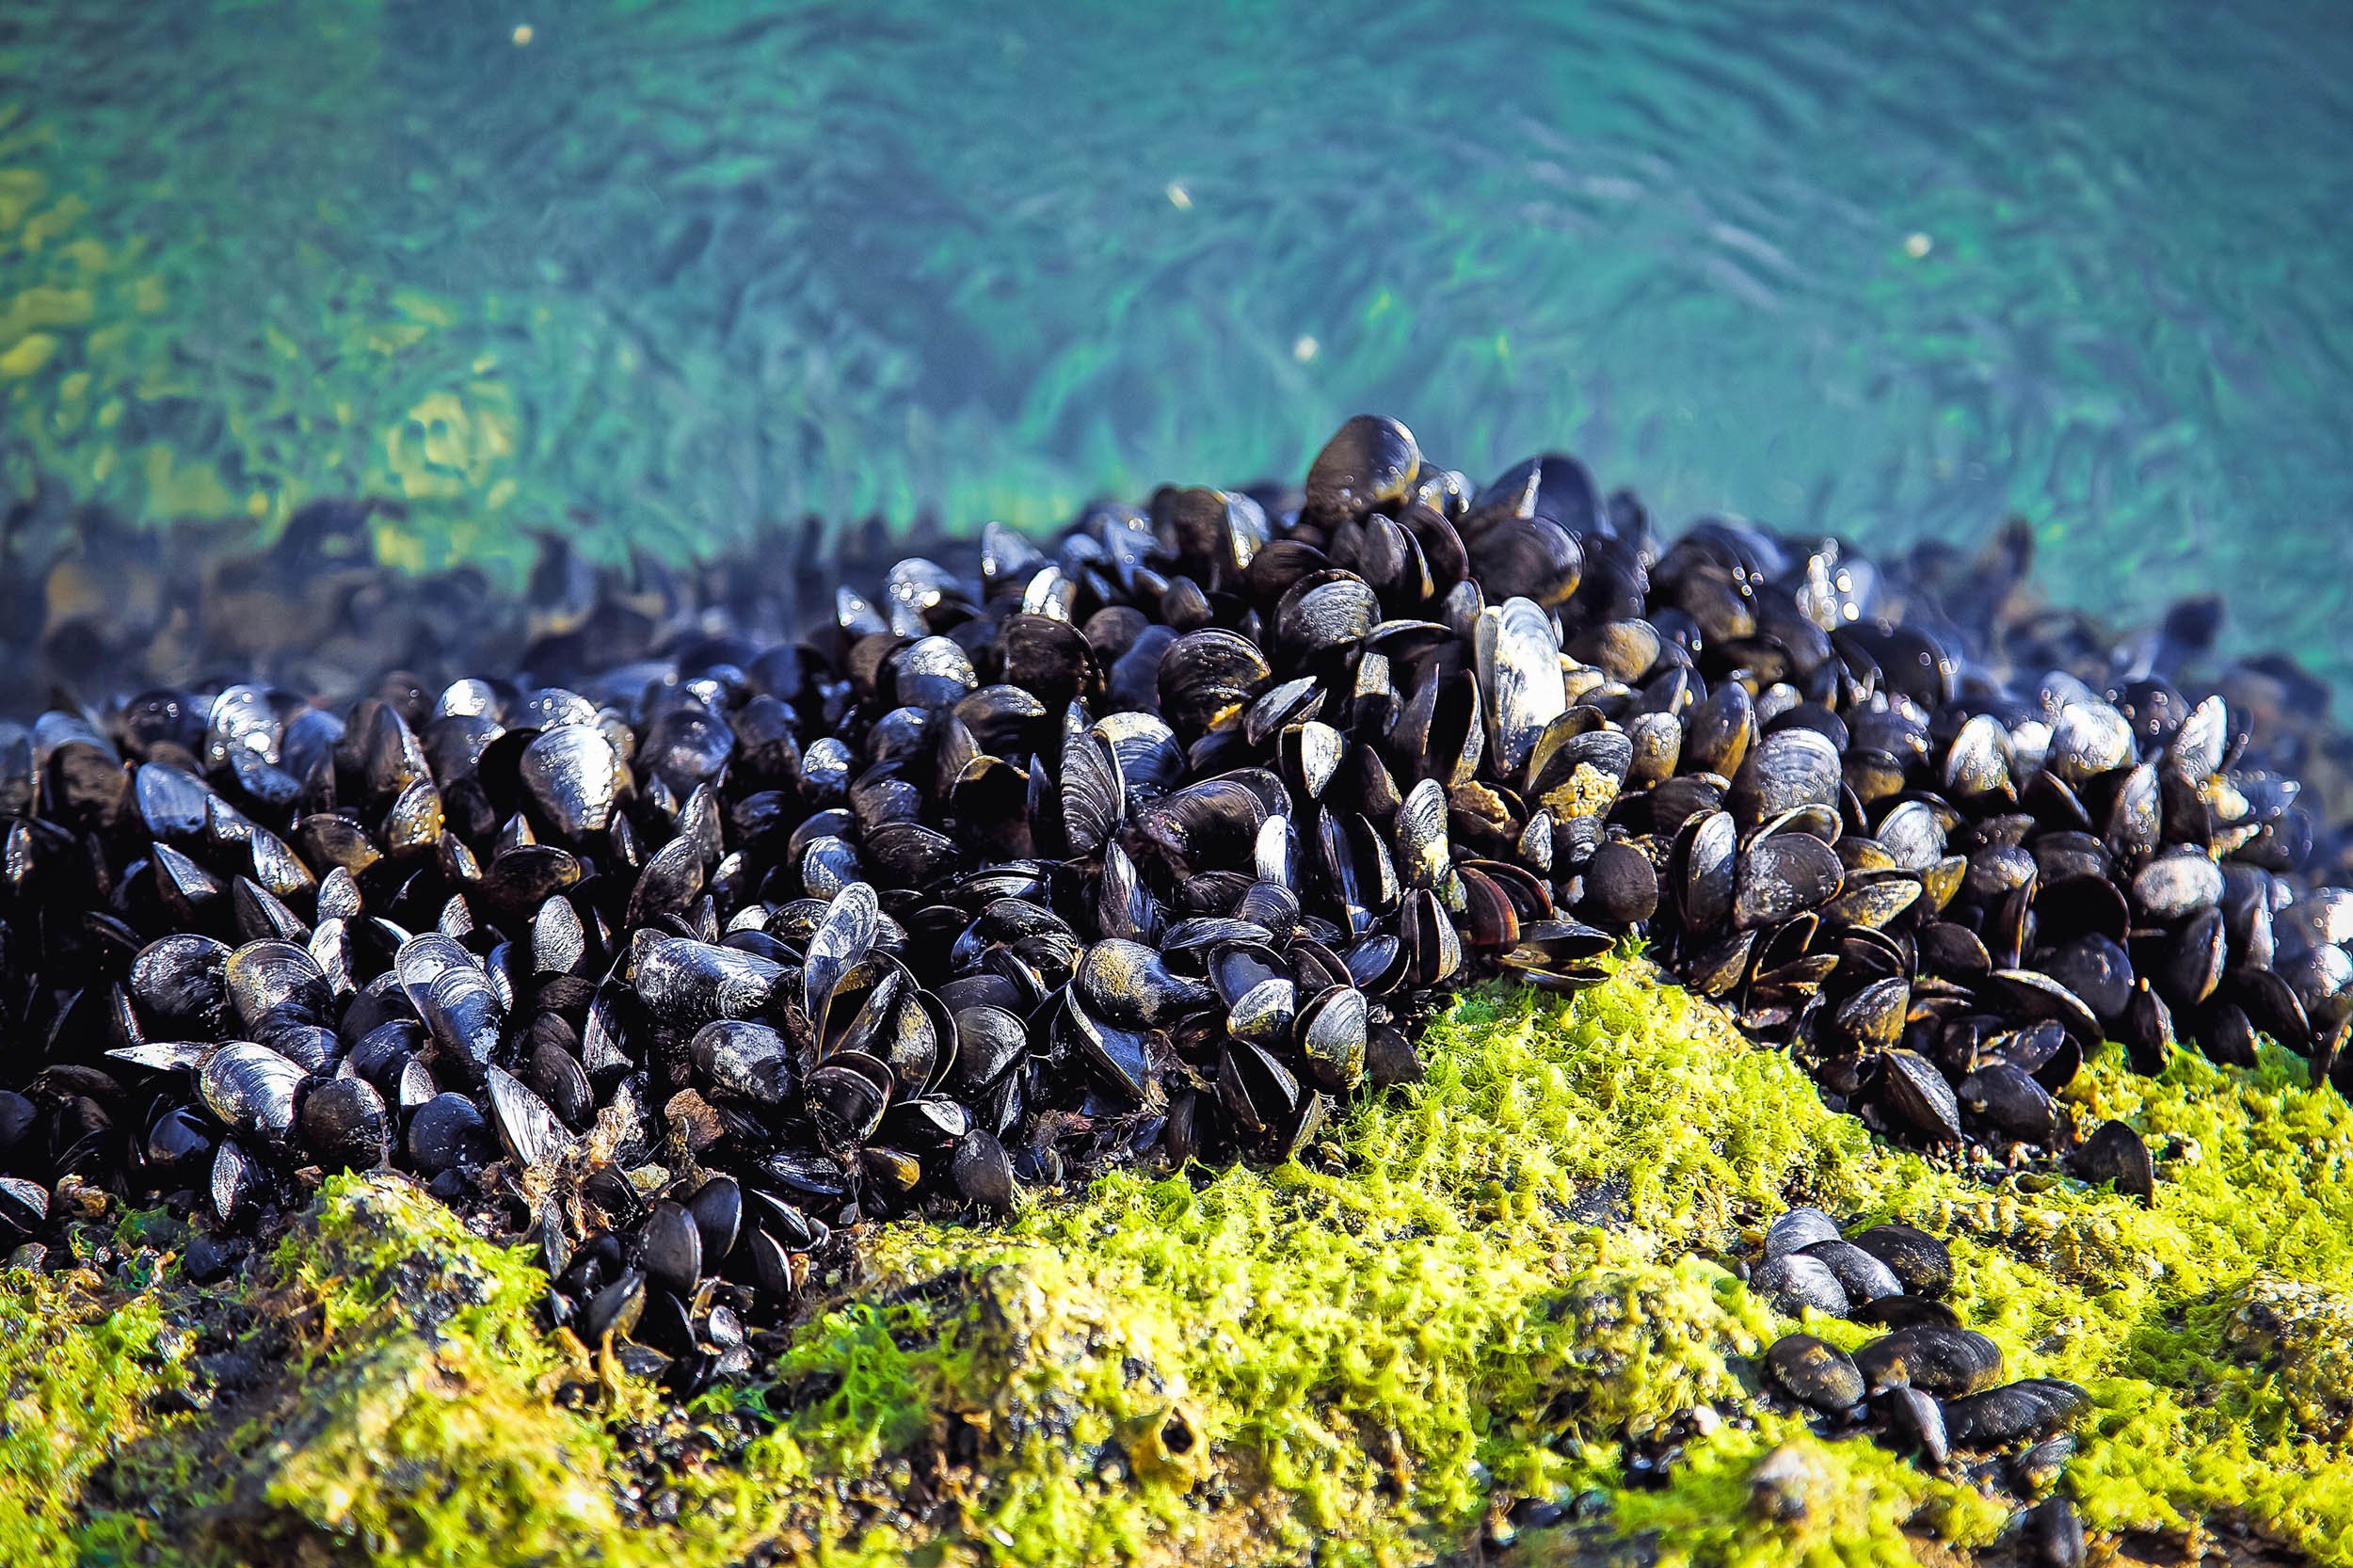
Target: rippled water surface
662,272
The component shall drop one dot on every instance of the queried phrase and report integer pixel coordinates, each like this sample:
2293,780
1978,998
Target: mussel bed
690,952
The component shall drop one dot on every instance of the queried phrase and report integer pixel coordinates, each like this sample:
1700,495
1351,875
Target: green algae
1394,1344
1361,1358
410,1426
80,1365
405,1415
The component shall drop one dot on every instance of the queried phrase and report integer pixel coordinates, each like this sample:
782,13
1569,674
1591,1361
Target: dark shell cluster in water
1927,1387
1154,844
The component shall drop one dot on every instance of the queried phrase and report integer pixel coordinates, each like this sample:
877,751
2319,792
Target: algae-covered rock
1484,1317
1371,1352
374,1390
2304,1335
398,1421
82,1361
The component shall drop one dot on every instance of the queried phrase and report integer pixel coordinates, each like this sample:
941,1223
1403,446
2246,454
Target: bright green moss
1364,1358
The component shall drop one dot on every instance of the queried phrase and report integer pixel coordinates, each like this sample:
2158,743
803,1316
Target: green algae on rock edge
1372,1355
78,1369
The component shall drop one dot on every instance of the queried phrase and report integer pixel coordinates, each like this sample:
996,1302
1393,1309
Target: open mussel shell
840,943
1254,1088
23,1207
554,1071
848,1095
616,1310
237,1182
2028,994
527,1129
1122,1057
1918,1100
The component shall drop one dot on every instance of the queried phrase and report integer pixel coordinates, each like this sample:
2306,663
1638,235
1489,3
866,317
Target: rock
1782,1487
209,1259
2303,1331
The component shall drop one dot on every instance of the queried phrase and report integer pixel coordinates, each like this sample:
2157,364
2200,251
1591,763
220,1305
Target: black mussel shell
345,1124
1816,1374
1796,1282
1921,1261
2116,1154
1934,1358
1863,1277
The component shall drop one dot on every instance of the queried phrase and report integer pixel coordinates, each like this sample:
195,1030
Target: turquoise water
662,273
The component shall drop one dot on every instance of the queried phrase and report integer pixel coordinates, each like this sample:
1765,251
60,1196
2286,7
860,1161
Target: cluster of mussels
1929,1387
1153,845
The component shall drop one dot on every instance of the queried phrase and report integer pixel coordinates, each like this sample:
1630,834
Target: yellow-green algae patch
1359,1359
401,1415
80,1365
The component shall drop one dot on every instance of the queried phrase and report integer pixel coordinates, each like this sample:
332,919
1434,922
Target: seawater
662,273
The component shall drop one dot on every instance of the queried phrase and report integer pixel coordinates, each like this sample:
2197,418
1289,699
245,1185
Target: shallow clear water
667,271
